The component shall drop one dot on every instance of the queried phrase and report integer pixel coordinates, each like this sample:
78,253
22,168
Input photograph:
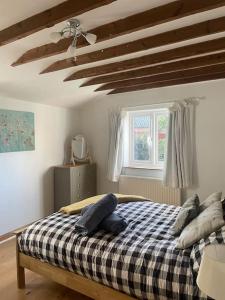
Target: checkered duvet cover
141,261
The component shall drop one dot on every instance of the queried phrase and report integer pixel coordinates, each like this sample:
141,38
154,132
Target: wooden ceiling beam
155,58
158,15
163,77
166,38
48,18
168,83
196,62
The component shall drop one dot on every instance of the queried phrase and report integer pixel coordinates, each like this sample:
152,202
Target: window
146,138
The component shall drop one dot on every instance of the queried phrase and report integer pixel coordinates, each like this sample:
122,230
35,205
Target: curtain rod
165,104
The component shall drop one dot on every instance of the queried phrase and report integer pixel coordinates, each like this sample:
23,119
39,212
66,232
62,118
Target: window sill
144,167
143,172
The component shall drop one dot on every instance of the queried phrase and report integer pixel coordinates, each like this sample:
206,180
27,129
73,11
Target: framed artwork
16,131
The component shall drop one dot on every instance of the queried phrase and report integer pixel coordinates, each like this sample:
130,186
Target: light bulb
55,36
91,38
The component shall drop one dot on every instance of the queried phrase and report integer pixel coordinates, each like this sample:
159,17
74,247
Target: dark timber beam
158,15
166,38
48,18
156,58
196,62
169,83
163,77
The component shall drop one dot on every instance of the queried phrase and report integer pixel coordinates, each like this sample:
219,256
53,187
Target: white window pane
162,124
141,138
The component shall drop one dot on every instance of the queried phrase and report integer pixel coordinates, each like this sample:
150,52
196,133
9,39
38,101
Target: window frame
157,114
153,162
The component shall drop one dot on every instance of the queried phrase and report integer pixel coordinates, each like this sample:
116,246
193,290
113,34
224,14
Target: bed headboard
150,188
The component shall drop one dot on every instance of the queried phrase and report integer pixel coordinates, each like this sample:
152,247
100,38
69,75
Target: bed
141,262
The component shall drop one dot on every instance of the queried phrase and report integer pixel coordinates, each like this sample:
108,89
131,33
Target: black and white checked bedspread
142,261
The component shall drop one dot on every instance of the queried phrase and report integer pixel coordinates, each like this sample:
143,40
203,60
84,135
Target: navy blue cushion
113,223
89,221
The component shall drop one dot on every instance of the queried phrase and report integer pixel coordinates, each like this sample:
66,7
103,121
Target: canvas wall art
16,131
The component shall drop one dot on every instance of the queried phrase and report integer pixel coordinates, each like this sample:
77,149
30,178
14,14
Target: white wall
210,130
26,178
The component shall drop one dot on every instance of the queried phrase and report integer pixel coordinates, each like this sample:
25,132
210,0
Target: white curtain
178,171
115,156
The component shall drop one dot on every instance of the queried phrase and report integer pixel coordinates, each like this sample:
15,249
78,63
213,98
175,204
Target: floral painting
16,131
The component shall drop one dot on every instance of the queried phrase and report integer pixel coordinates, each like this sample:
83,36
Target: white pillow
209,200
210,220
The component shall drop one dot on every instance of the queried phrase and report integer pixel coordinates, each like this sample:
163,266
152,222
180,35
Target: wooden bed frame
71,280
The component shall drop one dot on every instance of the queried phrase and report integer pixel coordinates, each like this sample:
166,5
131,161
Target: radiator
150,188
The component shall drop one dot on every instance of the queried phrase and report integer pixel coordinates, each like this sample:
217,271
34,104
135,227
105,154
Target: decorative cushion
188,212
209,200
208,221
223,204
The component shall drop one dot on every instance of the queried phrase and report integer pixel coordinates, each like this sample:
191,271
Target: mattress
142,261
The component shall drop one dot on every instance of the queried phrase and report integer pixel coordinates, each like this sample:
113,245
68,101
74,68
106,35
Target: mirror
79,150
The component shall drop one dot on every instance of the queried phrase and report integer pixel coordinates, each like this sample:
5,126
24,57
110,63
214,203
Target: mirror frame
74,158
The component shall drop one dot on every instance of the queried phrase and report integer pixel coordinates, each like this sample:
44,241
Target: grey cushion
209,200
188,212
223,205
208,221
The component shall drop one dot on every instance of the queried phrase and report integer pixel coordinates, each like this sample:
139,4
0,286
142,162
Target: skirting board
6,237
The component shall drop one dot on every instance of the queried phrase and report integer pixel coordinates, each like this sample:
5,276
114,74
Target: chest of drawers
73,184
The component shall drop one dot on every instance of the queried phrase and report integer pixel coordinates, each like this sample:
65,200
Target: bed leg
20,278
20,270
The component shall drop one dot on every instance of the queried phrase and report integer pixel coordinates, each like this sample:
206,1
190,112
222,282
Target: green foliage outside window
162,126
141,148
141,134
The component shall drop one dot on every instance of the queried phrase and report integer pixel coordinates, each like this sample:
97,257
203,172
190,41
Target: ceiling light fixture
73,30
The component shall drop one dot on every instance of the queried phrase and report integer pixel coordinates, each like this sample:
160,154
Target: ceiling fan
73,30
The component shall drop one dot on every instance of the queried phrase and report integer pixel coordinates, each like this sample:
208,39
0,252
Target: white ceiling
25,83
